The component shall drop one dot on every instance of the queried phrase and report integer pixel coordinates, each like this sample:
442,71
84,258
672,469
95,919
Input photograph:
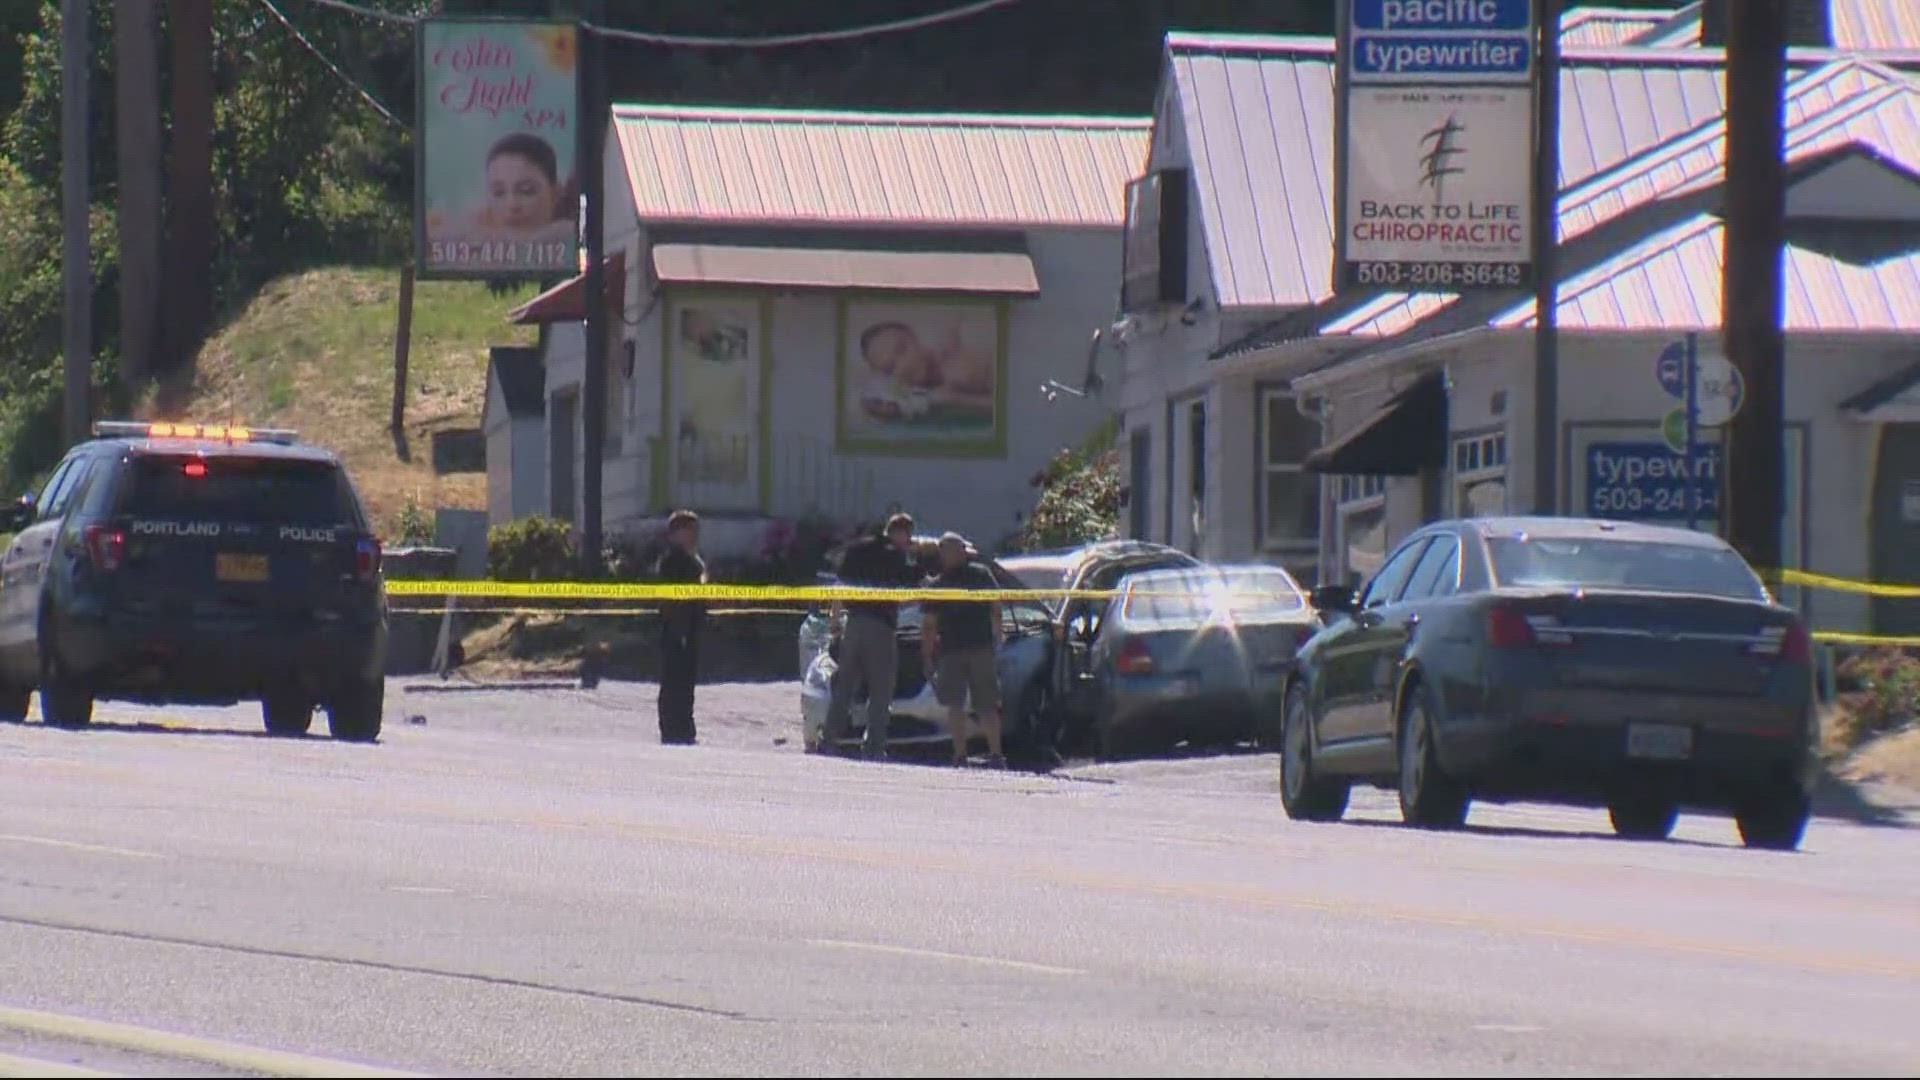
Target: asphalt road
527,883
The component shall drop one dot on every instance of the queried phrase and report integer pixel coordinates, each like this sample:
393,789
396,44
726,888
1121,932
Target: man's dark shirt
874,563
679,567
963,624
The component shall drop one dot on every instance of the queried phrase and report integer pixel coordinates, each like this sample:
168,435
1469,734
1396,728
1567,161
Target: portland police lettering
176,528
306,534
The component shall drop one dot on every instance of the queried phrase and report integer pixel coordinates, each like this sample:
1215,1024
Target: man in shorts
960,641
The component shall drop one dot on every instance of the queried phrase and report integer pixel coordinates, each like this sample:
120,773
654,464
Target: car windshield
1640,565
1200,594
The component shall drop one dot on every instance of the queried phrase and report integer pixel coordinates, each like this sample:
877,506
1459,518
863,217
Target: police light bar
232,433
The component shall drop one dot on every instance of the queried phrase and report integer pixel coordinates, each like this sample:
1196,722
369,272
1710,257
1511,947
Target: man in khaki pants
868,652
960,641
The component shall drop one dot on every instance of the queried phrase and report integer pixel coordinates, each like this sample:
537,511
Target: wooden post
402,344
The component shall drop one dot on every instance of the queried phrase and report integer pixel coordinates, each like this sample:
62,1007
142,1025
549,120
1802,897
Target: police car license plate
1660,742
240,566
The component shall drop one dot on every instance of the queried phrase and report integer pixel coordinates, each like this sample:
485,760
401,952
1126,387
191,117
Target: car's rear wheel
1305,794
1429,798
354,716
14,703
1774,822
62,704
287,715
1643,816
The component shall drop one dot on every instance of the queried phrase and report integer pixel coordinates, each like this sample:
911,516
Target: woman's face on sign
518,193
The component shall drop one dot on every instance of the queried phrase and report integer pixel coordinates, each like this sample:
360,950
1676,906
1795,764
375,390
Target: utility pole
136,111
190,219
1546,265
1753,458
76,257
593,396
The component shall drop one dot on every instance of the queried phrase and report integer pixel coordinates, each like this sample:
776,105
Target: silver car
1195,654
917,717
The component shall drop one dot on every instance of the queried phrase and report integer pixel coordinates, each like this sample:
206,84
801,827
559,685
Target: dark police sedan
1565,660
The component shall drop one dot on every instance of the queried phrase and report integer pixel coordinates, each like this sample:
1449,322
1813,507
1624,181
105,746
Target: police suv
196,564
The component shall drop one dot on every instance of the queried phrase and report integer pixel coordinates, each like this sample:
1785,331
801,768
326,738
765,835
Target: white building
826,316
513,422
1270,417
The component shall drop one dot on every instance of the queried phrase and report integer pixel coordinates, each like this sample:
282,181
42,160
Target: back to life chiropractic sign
1435,145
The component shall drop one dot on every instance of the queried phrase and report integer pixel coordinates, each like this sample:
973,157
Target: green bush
413,526
534,548
1079,496
1880,692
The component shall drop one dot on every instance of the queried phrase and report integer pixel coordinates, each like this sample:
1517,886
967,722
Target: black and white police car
196,564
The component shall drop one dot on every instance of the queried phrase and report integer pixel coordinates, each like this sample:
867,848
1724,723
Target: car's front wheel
287,715
354,716
1305,794
1774,822
62,703
1429,798
1643,816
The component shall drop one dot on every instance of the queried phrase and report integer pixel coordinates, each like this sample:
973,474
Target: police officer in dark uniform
680,626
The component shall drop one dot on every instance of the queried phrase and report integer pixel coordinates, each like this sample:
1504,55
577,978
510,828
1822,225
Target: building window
1480,475
1361,510
1289,495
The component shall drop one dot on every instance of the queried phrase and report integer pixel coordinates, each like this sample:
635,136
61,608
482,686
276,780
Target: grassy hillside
314,351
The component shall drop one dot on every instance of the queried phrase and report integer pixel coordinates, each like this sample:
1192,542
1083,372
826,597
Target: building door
1191,520
563,420
1896,526
1140,484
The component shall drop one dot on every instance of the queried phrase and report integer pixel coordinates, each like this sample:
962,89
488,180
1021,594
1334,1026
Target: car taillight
1511,628
1791,644
1133,658
106,546
366,558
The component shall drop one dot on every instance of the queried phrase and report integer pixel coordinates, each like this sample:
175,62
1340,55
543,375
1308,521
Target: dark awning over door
1406,437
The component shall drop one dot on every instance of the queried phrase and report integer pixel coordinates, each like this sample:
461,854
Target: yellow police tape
821,594
809,594
621,590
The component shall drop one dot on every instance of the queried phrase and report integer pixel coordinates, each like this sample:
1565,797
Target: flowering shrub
1079,496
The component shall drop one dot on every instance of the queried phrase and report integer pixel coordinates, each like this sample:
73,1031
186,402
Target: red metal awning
566,302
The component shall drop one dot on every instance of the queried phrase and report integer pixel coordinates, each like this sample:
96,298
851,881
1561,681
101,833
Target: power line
693,41
821,37
366,12
307,43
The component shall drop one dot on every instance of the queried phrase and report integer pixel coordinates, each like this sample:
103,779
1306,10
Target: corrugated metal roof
1672,281
1843,102
902,169
1606,26
1258,114
1854,25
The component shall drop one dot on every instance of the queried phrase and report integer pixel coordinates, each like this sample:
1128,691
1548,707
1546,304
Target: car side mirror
1333,598
20,514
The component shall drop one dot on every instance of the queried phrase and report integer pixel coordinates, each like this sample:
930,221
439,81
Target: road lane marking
170,1045
1510,1029
427,890
75,845
935,954
26,1066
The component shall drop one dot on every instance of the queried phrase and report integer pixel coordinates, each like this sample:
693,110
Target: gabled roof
1605,26
1672,280
772,166
1258,117
522,378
